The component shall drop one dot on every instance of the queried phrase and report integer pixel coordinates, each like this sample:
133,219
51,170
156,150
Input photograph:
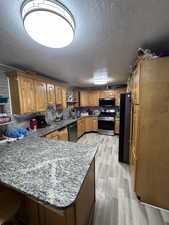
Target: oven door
106,125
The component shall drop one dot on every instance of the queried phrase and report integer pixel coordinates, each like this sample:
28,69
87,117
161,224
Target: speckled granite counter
50,171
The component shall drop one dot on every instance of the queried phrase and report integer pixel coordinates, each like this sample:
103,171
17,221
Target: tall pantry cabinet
150,133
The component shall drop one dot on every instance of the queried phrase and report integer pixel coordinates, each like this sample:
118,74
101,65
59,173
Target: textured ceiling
107,36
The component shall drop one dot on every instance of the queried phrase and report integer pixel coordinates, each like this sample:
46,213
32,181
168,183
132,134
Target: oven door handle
106,119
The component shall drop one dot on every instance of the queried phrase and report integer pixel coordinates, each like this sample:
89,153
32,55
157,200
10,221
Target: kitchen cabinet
80,212
150,143
84,98
95,123
117,126
40,90
53,135
22,93
87,124
51,93
61,135
33,94
91,124
58,95
136,86
81,127
64,97
76,97
89,98
93,98
110,93
119,91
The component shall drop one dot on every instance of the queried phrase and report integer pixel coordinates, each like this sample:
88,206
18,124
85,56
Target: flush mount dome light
48,22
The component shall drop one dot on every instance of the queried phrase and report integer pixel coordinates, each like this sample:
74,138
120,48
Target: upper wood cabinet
83,98
117,92
40,95
58,95
93,98
107,93
64,97
51,93
76,97
89,98
22,93
33,94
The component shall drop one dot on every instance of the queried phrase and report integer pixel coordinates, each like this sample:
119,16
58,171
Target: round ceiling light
48,22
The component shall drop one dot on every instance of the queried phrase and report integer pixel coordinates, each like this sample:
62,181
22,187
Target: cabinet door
93,98
64,98
79,127
136,85
40,96
28,212
89,124
58,93
117,126
63,135
95,123
118,92
27,95
83,125
51,93
84,101
76,97
107,93
135,130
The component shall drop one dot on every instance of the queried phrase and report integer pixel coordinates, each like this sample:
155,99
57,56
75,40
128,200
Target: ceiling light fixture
48,22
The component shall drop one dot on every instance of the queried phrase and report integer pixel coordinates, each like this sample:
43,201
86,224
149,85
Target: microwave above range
107,102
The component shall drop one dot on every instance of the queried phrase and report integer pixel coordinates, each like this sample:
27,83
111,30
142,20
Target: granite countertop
55,126
48,170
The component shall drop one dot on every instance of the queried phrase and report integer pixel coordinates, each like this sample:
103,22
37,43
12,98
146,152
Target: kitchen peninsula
56,180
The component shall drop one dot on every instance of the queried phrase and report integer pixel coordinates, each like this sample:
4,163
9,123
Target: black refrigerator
124,136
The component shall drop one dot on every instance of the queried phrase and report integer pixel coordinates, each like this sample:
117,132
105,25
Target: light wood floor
116,203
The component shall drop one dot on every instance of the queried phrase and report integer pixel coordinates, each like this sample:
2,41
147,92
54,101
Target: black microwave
107,102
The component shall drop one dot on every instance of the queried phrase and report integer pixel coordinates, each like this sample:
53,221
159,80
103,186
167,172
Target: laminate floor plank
116,202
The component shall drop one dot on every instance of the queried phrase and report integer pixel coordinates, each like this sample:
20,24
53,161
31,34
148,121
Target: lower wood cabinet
61,135
91,124
81,127
79,212
86,125
117,126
